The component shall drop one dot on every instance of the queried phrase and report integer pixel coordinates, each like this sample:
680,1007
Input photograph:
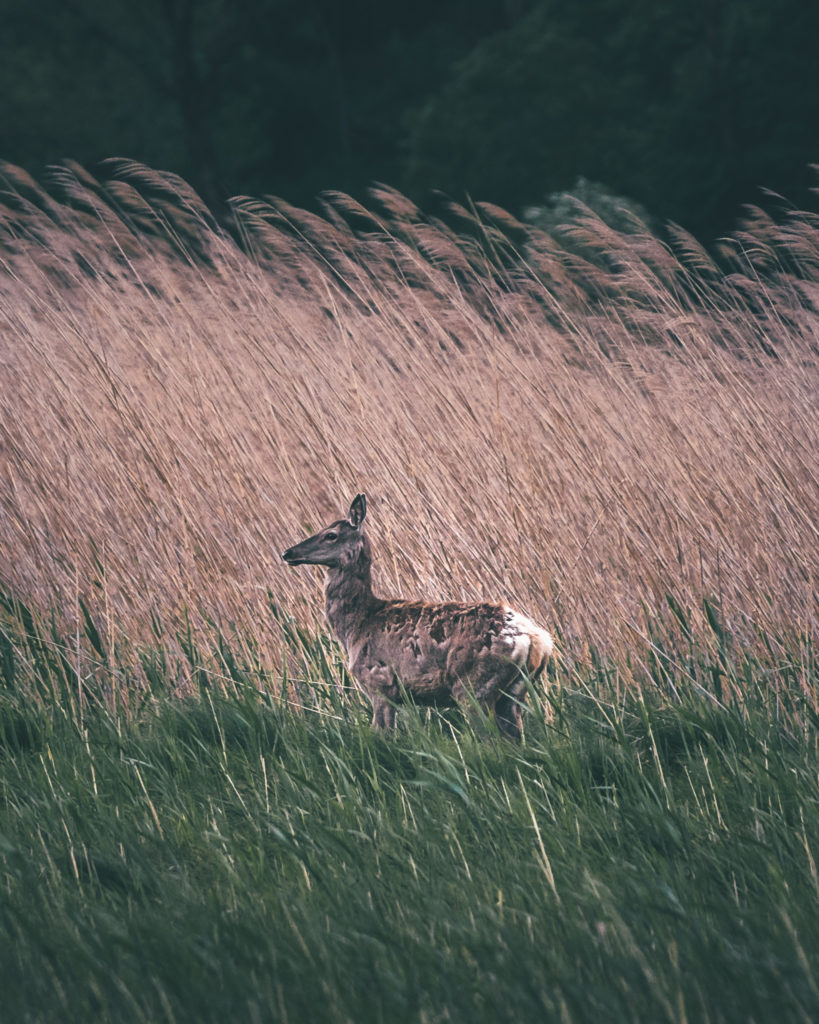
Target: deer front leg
379,683
383,713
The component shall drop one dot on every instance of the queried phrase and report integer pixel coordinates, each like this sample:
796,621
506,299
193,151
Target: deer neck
349,596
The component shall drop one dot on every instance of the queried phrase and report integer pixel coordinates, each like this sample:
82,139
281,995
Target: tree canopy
685,107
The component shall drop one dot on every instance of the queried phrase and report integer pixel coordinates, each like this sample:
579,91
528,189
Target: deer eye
331,536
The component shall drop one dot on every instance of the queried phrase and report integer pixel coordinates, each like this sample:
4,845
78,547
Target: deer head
338,544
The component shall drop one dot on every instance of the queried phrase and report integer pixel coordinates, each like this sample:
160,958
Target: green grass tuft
229,856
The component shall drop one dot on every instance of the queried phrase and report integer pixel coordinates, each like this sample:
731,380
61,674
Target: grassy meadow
616,434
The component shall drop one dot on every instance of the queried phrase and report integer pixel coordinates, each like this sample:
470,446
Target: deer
437,654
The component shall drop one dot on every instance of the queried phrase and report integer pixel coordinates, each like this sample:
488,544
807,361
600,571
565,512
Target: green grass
647,855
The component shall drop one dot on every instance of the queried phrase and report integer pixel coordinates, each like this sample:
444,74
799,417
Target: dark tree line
684,105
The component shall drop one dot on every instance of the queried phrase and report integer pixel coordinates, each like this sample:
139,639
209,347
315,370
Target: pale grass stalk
577,446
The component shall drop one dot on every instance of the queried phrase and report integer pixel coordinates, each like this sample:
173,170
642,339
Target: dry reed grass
577,432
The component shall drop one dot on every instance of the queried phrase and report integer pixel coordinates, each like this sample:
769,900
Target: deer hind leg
496,685
508,710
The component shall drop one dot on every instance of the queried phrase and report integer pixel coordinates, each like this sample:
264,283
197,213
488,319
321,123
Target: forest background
612,427
686,108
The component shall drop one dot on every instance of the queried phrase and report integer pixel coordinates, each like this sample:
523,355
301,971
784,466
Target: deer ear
358,510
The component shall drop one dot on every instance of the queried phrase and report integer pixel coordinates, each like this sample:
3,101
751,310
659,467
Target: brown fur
439,653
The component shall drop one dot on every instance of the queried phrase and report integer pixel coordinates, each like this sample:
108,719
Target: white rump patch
516,633
520,634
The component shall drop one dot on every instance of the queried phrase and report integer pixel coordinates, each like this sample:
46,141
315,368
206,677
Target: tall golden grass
578,432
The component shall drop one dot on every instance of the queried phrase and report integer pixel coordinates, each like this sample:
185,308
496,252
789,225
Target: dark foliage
685,108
